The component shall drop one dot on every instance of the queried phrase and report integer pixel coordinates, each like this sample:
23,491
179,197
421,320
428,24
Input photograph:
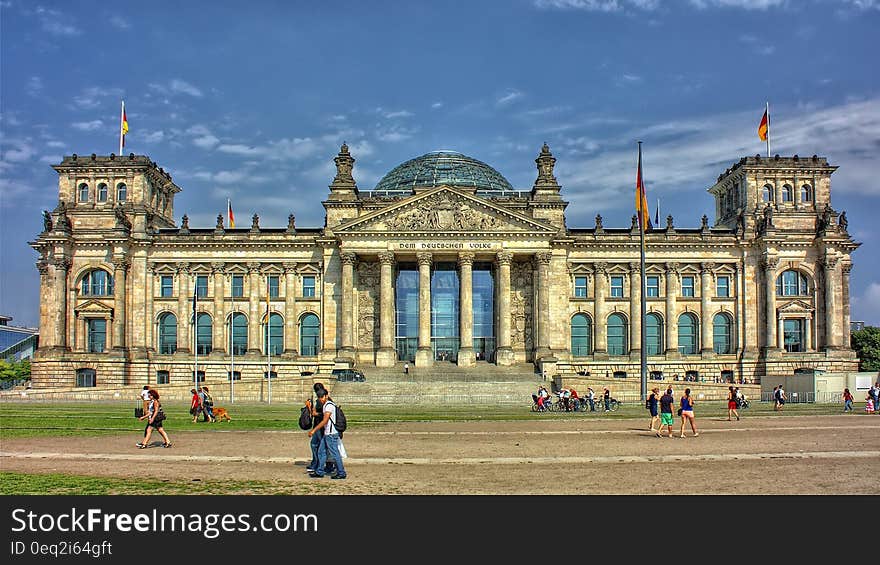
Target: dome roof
443,167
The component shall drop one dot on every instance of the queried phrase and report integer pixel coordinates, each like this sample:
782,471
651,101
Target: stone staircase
443,385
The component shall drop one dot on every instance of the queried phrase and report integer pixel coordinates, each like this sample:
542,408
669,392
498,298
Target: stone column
543,314
832,316
254,322
387,354
218,270
184,309
845,269
466,310
635,310
290,345
504,353
671,319
780,332
741,308
601,346
770,263
424,355
149,307
119,271
706,276
347,304
808,334
62,267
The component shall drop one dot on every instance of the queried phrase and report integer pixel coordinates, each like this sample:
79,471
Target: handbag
139,412
679,411
342,452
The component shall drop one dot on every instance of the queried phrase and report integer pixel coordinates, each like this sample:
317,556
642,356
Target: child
869,404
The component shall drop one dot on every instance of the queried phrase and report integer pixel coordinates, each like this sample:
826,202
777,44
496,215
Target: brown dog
220,414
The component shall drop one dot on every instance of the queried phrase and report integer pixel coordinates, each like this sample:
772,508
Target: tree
15,370
866,343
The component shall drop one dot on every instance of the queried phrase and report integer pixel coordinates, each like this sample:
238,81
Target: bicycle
613,405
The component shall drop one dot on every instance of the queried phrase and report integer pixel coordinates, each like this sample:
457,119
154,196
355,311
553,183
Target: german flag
764,127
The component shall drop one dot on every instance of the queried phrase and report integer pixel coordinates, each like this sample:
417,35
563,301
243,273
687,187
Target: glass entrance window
484,311
406,312
793,335
238,332
97,335
445,312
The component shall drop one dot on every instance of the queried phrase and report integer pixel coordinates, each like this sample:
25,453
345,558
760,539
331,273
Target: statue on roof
47,221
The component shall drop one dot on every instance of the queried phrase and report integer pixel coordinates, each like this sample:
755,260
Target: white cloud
21,151
206,141
295,149
152,137
54,22
509,97
744,4
597,5
866,308
88,126
184,87
119,22
34,86
91,97
239,149
437,105
398,114
55,143
759,46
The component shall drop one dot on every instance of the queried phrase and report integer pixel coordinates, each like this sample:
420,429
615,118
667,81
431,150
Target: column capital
770,262
635,267
218,267
465,258
348,258
253,267
289,266
708,268
424,258
43,267
600,267
830,261
120,264
543,257
62,263
846,268
504,257
672,268
182,267
386,258
152,266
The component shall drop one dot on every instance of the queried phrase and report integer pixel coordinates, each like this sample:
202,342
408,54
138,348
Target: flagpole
268,341
643,354
195,323
232,352
768,129
121,120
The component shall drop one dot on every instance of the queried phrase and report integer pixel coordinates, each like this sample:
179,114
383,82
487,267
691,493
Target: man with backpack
330,443
316,410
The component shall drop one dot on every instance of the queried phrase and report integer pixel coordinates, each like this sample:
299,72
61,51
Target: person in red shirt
847,400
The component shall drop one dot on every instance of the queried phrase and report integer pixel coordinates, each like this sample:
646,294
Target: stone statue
47,221
184,222
291,223
842,221
669,222
255,222
598,221
219,221
705,222
121,220
768,216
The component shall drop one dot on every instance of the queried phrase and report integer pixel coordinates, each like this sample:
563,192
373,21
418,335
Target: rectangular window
793,335
687,286
722,287
200,376
652,286
202,286
727,376
86,377
693,376
162,377
233,375
656,375
619,374
97,335
616,287
272,283
166,286
308,287
270,375
237,286
580,287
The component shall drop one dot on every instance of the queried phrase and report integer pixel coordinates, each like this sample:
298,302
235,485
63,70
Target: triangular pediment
445,210
796,306
93,307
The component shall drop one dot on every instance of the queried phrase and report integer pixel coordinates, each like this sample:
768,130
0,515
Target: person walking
330,443
651,405
875,396
195,405
687,413
731,404
591,398
406,368
606,398
847,401
145,398
781,398
154,416
666,402
317,411
208,403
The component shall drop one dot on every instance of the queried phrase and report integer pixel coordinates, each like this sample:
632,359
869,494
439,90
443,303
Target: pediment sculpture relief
444,213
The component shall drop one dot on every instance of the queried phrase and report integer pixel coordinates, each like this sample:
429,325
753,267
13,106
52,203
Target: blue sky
251,101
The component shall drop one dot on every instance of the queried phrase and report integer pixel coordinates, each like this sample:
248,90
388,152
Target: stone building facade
443,262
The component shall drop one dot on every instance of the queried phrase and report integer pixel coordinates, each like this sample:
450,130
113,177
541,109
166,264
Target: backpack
305,418
341,423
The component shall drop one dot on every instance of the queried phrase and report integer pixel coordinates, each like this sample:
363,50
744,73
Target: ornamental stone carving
62,263
830,261
601,268
218,267
289,267
368,305
504,257
348,258
43,267
708,267
253,266
543,257
521,306
386,258
770,262
424,259
182,267
443,212
465,258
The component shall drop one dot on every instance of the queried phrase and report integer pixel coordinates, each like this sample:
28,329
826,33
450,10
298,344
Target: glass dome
443,167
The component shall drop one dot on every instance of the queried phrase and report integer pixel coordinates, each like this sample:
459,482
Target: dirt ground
767,455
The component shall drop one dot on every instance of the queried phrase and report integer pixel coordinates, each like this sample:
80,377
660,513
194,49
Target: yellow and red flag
764,127
229,214
641,197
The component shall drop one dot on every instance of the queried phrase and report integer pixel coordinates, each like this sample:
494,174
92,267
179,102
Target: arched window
806,193
653,334
83,192
273,333
687,334
102,192
121,192
581,335
97,282
309,330
767,193
791,283
167,333
204,334
722,330
238,333
787,193
617,335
